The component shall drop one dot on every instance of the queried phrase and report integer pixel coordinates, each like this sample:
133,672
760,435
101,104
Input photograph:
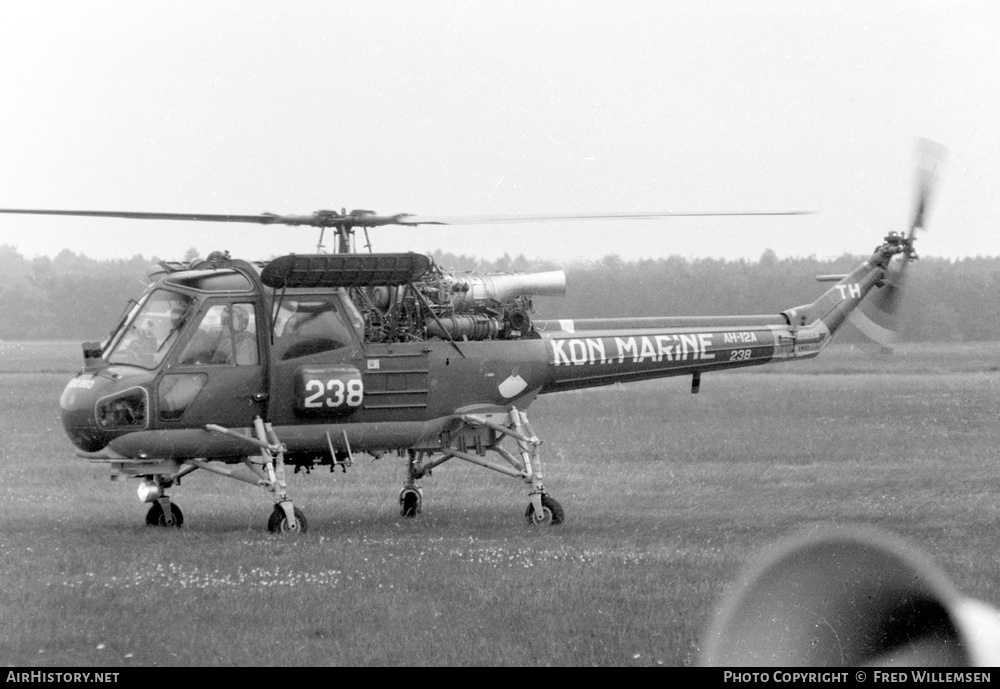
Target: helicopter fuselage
308,371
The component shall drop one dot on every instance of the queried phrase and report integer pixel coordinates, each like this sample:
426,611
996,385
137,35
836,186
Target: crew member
237,338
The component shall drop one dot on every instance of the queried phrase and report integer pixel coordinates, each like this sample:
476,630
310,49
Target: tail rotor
879,317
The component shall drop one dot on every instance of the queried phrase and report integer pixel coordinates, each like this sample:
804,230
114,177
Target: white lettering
62,677
626,346
640,349
647,350
744,337
689,341
882,676
796,677
705,341
595,347
578,352
559,357
664,351
849,291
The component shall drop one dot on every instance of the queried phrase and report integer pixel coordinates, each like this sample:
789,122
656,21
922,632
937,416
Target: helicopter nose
78,413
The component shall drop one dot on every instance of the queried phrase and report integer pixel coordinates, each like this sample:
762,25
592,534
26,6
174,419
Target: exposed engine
437,304
446,306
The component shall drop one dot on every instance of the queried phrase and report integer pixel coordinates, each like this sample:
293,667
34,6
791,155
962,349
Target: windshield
150,329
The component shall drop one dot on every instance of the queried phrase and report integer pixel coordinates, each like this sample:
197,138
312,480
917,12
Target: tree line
75,297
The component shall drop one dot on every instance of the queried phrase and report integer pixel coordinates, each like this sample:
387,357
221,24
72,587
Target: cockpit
225,330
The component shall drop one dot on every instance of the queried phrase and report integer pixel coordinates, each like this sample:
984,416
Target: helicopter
248,369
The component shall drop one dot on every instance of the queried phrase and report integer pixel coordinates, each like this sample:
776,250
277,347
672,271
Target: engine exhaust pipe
849,597
472,291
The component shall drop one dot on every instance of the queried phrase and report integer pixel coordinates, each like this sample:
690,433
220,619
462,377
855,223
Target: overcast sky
453,108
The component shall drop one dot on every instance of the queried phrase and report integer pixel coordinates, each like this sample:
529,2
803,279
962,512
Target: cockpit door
216,374
313,376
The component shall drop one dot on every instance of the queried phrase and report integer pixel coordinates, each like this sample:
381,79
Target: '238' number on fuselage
333,393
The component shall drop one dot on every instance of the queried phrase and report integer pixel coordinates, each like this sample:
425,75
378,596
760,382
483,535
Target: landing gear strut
285,518
411,498
469,442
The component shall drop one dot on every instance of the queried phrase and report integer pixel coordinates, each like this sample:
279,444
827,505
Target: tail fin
841,301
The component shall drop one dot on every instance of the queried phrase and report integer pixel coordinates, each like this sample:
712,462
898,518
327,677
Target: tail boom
589,358
592,352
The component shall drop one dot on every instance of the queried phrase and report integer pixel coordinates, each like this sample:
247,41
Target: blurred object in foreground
849,597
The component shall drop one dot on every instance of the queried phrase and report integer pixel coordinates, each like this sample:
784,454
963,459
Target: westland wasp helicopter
243,369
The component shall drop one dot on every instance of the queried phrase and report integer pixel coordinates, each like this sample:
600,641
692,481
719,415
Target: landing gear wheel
157,517
409,503
552,513
278,522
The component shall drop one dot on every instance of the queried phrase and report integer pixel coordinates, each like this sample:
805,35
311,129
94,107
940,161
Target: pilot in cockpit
236,338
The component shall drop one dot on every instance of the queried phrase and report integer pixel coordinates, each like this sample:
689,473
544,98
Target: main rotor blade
318,219
265,218
545,217
361,218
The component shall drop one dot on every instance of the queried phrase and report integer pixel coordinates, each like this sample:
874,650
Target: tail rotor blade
929,155
878,318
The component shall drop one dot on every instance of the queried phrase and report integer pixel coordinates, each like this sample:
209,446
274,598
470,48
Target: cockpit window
309,326
146,336
227,334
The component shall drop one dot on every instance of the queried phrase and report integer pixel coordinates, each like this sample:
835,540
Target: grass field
667,495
